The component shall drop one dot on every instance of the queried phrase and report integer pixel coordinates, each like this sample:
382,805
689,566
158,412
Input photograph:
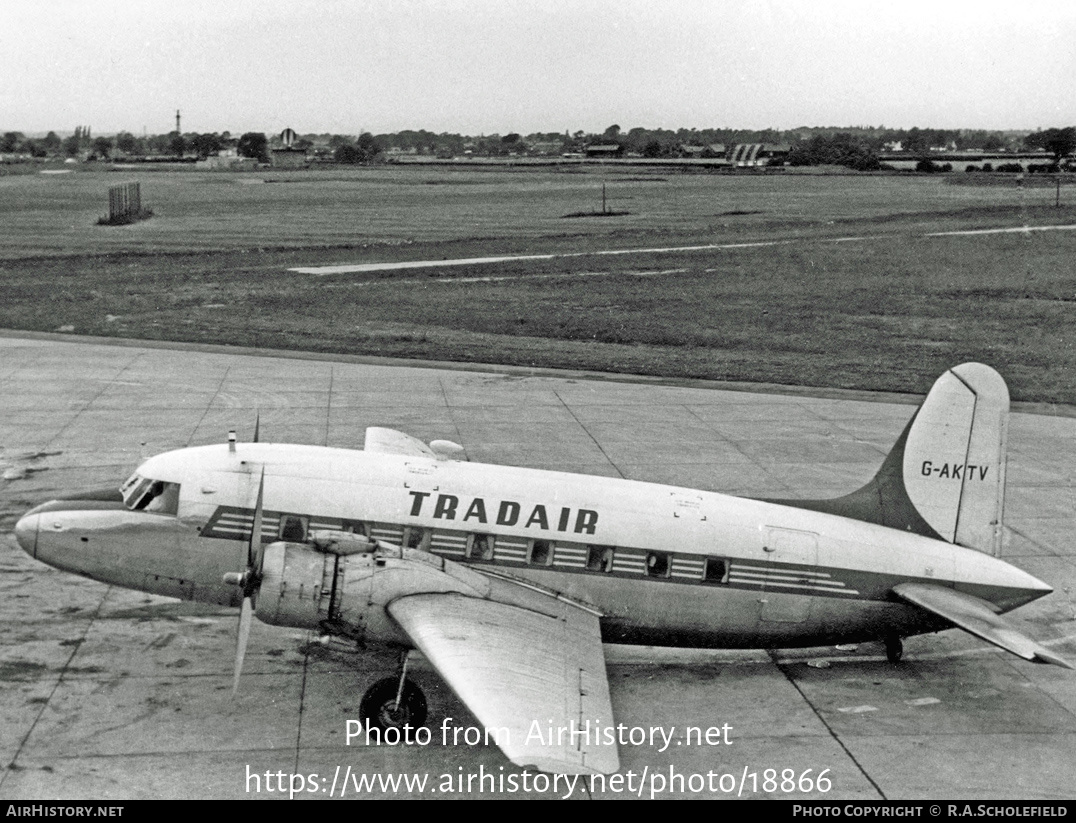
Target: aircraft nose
26,533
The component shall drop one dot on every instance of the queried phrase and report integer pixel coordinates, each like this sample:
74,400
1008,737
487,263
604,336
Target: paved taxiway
113,694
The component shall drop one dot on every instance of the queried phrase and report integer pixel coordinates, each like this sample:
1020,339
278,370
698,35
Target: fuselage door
791,561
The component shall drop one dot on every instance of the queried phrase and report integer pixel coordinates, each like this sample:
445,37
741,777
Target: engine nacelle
346,594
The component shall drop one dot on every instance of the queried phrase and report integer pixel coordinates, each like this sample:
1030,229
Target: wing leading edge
977,617
531,679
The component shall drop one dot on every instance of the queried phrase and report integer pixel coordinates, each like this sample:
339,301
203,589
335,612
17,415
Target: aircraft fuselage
661,564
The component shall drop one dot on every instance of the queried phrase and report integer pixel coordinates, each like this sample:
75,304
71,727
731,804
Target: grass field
853,293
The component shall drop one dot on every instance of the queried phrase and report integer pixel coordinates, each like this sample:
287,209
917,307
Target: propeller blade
255,546
257,425
246,615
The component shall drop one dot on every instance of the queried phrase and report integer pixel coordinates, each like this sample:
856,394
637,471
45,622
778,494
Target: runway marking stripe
1010,230
361,268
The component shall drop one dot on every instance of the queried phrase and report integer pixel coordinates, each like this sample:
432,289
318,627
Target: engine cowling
306,588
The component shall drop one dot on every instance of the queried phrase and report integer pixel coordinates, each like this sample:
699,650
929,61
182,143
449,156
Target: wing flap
977,617
529,678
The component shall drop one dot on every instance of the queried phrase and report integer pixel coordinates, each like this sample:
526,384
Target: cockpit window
131,483
145,494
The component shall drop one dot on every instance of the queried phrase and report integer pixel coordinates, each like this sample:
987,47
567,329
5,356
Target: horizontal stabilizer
977,617
447,450
390,441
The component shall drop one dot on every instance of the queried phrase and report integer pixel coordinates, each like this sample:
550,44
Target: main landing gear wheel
379,705
894,648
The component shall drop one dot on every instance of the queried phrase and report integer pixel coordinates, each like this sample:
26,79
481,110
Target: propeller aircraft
508,580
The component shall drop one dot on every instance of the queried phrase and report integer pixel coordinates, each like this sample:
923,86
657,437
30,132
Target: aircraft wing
529,677
977,617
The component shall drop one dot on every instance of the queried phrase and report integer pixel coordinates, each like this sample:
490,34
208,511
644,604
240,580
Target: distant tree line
857,147
364,150
1059,142
840,149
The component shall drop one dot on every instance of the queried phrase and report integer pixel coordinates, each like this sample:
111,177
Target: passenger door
791,558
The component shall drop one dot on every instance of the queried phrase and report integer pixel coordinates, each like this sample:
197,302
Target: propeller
250,579
246,615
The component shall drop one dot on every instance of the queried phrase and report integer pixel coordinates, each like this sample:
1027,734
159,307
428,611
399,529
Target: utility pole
177,122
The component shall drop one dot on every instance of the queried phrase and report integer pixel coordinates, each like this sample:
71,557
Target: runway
366,268
114,694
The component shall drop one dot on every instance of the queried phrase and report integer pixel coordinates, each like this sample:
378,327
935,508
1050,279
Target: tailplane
945,476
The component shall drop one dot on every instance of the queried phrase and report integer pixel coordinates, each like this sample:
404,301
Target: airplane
509,580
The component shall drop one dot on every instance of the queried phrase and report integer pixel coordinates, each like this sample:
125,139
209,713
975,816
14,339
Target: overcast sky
499,66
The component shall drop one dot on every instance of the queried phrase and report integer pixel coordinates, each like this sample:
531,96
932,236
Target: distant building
758,154
546,147
603,150
227,158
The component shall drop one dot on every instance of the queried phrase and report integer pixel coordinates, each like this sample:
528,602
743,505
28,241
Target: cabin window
541,553
599,558
481,547
292,528
657,564
416,538
355,527
717,570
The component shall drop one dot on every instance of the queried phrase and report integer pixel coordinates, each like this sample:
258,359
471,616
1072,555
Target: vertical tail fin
954,458
945,476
